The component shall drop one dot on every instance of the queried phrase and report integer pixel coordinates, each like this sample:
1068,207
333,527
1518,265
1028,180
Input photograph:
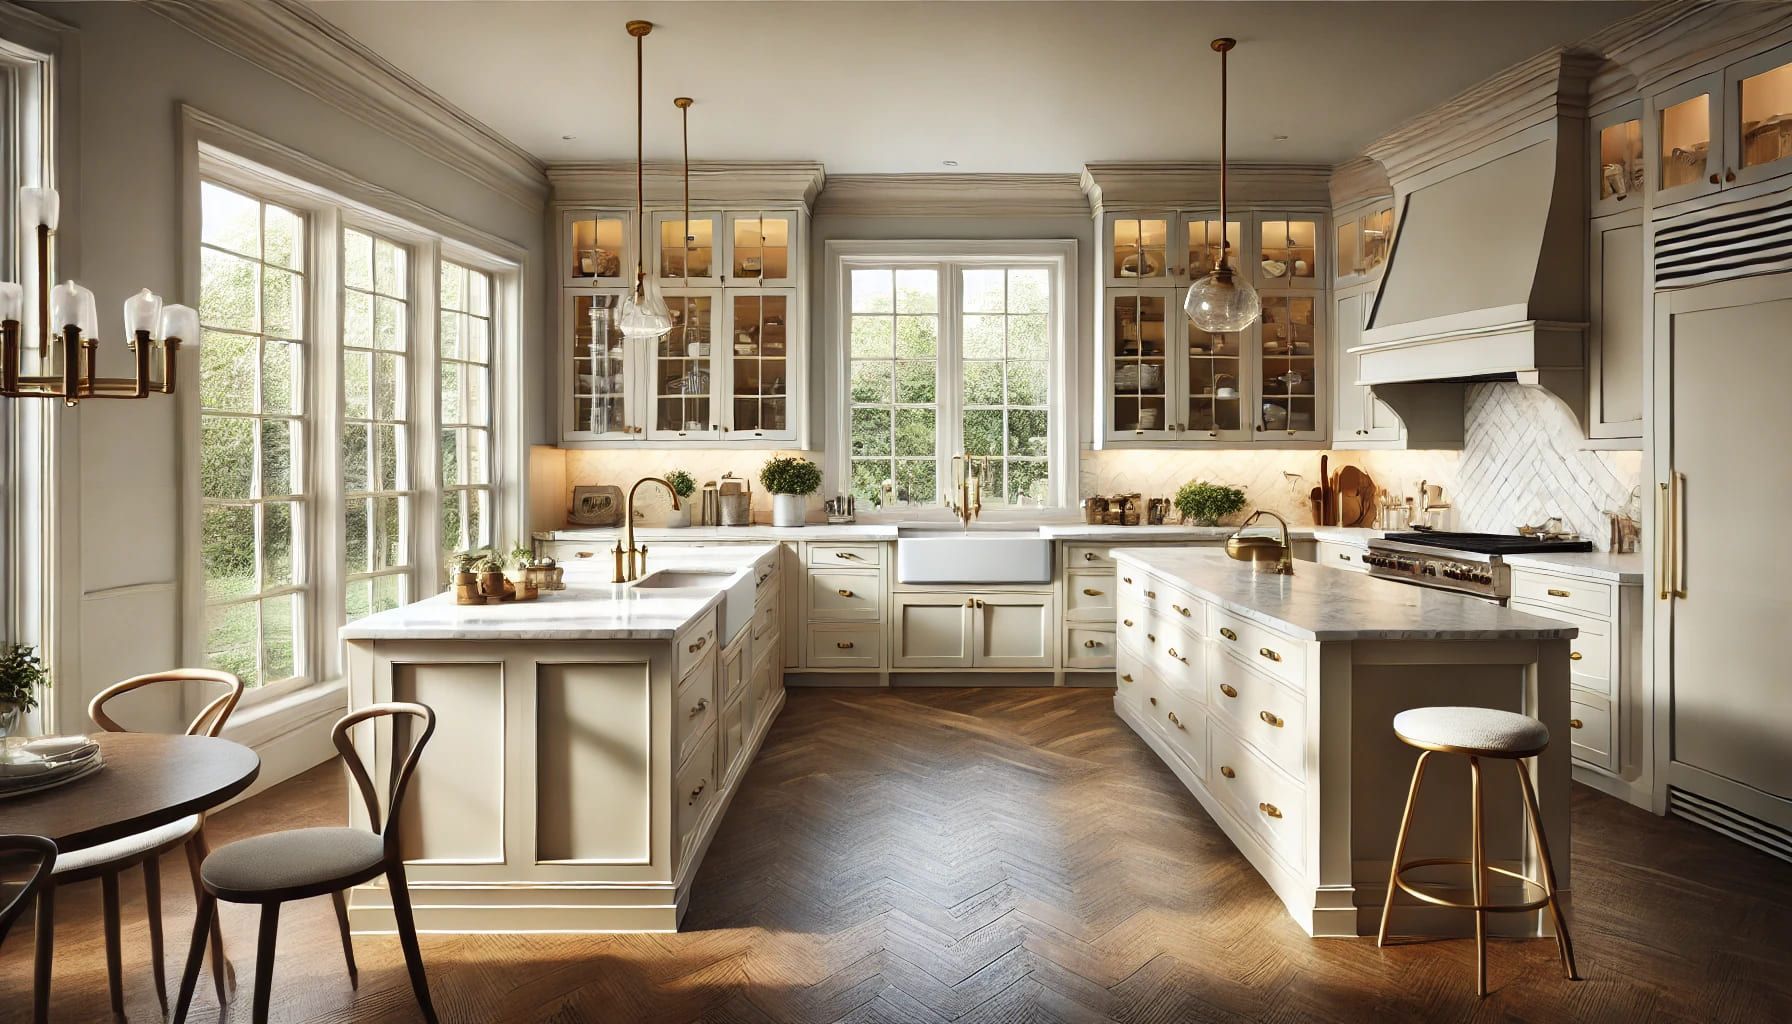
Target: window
376,473
253,427
949,354
466,413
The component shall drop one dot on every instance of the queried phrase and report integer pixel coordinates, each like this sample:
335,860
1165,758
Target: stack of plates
46,762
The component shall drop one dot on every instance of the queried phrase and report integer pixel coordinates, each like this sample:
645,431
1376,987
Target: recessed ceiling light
568,138
948,163
1280,138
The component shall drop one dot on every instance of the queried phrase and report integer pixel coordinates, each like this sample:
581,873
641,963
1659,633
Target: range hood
1486,280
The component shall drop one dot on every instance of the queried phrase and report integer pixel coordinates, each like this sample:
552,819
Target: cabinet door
682,370
1137,248
601,391
762,249
1618,165
1289,356
1210,387
1758,117
596,248
1198,237
1686,163
1137,375
757,401
1616,334
1012,631
1288,253
686,257
1359,419
932,631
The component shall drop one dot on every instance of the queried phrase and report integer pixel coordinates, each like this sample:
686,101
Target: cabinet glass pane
1376,239
1203,236
1288,249
1289,364
1139,361
687,254
596,247
1620,159
1767,117
1140,248
760,362
1214,396
1685,141
682,380
599,382
761,248
1344,250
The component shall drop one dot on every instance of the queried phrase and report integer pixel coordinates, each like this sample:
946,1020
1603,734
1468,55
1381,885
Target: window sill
281,714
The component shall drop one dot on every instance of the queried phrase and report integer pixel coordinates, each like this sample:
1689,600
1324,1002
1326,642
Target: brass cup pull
1177,722
1270,810
695,793
1126,677
1153,701
1127,578
1091,643
1553,592
844,593
702,641
1270,719
1228,634
1267,653
1181,609
1126,622
1574,723
845,645
1228,690
1091,592
1574,655
1088,556
1151,637
698,708
1227,771
1151,594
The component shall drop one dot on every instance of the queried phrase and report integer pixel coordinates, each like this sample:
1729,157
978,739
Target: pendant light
1220,303
644,313
683,103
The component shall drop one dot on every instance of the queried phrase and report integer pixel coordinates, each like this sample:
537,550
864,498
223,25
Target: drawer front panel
1132,623
850,647
1137,587
1178,660
1129,677
733,738
1181,610
765,618
1583,596
694,707
843,596
1340,556
1264,649
1260,710
1590,654
1270,804
1089,596
694,644
1183,724
1089,647
696,789
845,556
1087,556
733,676
1591,738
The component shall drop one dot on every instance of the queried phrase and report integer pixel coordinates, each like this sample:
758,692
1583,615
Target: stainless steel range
1466,563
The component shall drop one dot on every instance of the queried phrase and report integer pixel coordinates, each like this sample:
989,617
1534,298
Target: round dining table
148,780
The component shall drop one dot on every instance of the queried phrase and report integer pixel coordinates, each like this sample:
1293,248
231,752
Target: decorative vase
681,516
9,719
788,509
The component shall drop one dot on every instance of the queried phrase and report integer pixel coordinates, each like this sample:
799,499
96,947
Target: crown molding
1179,184
742,182
293,43
1357,180
1672,39
953,195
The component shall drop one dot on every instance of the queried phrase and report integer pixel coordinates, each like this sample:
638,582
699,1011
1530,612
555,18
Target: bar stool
1477,733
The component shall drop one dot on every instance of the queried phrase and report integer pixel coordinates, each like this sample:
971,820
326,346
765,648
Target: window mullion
422,411
328,519
951,391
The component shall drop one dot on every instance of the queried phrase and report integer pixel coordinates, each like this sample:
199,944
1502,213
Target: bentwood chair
34,853
301,863
109,860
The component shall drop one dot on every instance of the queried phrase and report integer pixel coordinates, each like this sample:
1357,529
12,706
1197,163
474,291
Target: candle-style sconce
68,328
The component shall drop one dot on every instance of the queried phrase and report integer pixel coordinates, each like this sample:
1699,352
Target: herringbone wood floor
993,855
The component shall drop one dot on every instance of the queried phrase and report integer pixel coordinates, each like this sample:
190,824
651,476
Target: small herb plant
465,561
1205,504
521,556
489,563
789,474
21,674
683,484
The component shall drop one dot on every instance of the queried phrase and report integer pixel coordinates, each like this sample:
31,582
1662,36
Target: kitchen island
1272,699
587,742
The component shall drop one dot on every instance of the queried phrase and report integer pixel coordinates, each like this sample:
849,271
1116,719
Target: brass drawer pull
1151,594
844,593
1343,557
1091,643
1574,655
702,641
1127,578
1270,809
1091,592
1153,701
845,554
1178,657
845,645
1269,718
1151,637
695,793
1126,622
1227,771
1574,723
1126,677
1228,634
699,707
1228,690
1267,653
1089,556
1177,722
1553,592
1179,608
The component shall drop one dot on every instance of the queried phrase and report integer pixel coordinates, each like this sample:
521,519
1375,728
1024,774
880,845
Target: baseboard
291,735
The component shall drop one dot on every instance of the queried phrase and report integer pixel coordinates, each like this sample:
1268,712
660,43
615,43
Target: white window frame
458,491
949,257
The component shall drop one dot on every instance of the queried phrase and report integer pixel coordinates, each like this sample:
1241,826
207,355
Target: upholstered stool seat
288,862
1482,732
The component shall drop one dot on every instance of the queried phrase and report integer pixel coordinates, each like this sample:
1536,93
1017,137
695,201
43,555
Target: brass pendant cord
639,30
1222,46
683,103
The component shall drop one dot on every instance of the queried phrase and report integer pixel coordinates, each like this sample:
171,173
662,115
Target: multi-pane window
1006,364
376,477
466,409
253,424
894,382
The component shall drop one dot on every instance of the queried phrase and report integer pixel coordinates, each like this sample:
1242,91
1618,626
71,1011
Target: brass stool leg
1412,796
1479,867
1549,872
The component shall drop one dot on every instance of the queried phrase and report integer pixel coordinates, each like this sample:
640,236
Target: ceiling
883,87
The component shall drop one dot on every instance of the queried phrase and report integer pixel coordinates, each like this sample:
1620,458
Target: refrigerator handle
1663,583
1679,534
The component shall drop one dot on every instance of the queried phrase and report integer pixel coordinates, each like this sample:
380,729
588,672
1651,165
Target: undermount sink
978,556
739,589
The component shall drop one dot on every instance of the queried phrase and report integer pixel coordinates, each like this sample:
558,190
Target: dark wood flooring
989,855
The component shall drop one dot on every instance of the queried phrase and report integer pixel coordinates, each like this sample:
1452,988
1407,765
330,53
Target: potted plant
684,485
791,479
21,673
464,564
490,568
1205,504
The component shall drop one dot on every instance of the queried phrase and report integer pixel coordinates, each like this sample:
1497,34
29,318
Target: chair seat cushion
297,859
127,848
1483,731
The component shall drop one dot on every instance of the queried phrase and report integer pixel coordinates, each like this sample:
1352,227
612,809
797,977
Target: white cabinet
1726,129
1618,329
1359,419
987,630
602,388
684,254
758,364
1012,631
932,631
597,248
1619,173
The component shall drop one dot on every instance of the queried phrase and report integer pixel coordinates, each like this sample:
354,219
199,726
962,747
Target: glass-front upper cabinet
1288,361
1685,163
682,371
759,365
595,245
687,256
1201,238
1138,247
1288,254
602,377
1362,243
1729,128
1620,170
761,249
1214,388
1760,127
1138,377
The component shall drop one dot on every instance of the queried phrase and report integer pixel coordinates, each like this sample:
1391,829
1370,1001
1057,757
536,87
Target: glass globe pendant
1221,303
644,313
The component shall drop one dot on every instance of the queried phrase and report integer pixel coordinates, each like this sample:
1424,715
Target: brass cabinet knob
1153,701
1228,634
1267,653
1270,810
1091,592
845,645
1729,175
697,708
1714,179
1269,718
1091,643
1227,771
1088,556
1553,592
1177,722
844,593
1574,723
1227,689
1127,578
695,793
1126,677
1151,594
1574,655
1126,622
1151,637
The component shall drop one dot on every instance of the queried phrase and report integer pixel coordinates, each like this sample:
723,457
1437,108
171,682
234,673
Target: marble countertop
1598,565
1326,604
1066,531
736,534
590,608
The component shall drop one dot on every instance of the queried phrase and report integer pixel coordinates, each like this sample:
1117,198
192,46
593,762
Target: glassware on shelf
1620,159
1767,116
1203,237
1289,249
1685,141
687,253
1141,248
596,247
761,248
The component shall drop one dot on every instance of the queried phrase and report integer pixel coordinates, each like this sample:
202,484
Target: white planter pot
788,509
680,516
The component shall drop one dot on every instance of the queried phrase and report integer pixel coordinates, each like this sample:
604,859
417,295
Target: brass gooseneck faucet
967,480
635,570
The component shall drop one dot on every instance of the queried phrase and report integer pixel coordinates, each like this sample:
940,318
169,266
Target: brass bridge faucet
967,480
634,570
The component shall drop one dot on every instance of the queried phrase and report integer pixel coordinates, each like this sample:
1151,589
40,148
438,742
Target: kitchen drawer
733,676
1179,661
845,647
1265,649
765,618
1087,556
1340,556
1131,626
1182,723
1590,654
844,596
1174,606
845,556
1583,596
1136,586
695,789
1089,596
694,706
1089,647
1130,678
733,737
1271,804
1261,711
1590,735
690,646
